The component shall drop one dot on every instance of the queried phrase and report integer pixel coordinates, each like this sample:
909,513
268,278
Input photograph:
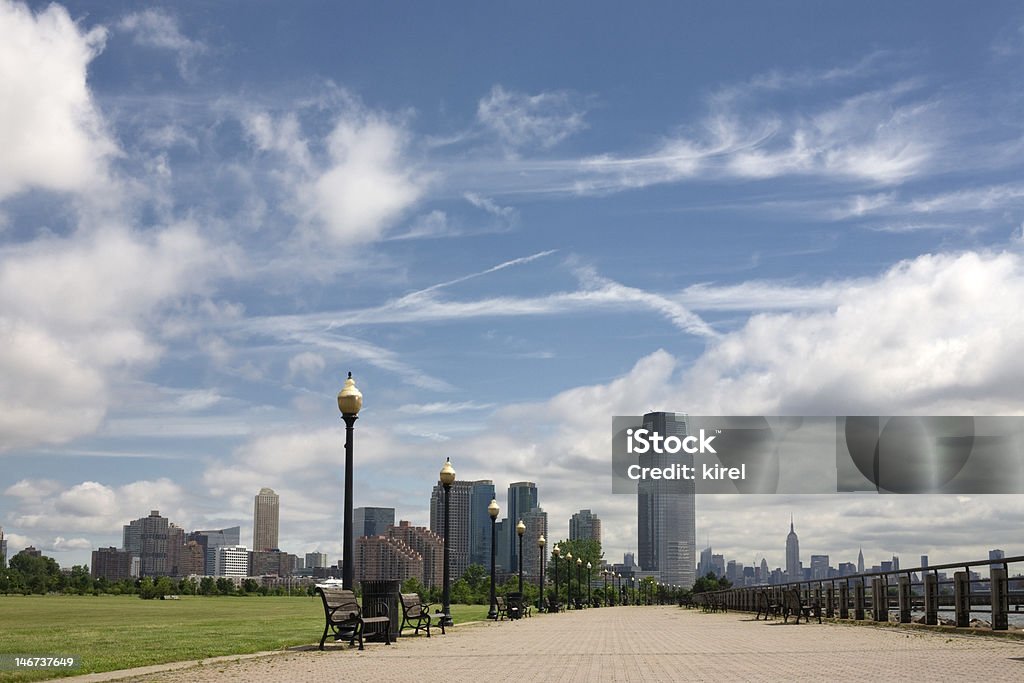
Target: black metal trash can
378,595
514,603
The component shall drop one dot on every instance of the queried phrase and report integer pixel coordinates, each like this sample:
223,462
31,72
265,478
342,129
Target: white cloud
157,29
522,120
362,187
51,132
366,188
932,335
92,507
75,313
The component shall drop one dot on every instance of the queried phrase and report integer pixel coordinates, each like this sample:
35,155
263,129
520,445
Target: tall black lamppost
520,529
447,479
556,551
568,579
540,544
632,590
493,511
590,600
618,588
350,400
604,575
579,579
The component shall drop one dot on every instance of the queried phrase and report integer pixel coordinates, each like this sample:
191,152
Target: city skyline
509,226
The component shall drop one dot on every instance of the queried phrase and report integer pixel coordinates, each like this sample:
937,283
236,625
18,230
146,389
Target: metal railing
919,590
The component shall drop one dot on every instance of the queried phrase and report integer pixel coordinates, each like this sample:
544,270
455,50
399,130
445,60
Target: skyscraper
793,570
480,522
146,538
522,497
266,517
3,549
459,525
585,525
860,561
372,521
666,518
536,521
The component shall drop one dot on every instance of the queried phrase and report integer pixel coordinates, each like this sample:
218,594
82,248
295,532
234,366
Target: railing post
858,600
962,598
844,600
904,598
1000,592
879,599
817,598
931,599
830,596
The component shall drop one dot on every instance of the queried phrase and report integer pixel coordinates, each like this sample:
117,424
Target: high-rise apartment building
231,560
584,525
481,495
522,497
271,563
3,549
111,564
372,521
148,539
429,546
666,515
459,508
536,521
793,569
266,518
193,559
502,560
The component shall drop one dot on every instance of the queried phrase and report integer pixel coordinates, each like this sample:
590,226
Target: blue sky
510,223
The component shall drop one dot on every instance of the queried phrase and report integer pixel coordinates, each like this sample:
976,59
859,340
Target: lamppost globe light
493,510
579,560
447,473
521,528
541,541
568,556
556,551
589,565
350,399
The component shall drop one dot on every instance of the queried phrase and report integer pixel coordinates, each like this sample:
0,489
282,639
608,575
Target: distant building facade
428,545
231,561
372,521
111,564
666,517
314,560
481,495
459,525
536,521
380,557
793,570
522,497
149,539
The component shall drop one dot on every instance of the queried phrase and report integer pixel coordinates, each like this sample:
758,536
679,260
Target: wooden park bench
554,606
344,616
516,606
501,608
766,606
416,613
792,603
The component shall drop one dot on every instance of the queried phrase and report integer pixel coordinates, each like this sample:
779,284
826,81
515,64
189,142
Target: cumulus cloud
75,312
521,120
93,508
51,131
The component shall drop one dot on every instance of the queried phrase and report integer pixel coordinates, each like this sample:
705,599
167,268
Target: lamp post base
492,613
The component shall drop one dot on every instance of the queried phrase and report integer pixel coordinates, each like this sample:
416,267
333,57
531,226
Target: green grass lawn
119,632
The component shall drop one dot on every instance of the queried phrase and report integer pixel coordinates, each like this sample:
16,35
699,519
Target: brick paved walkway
635,644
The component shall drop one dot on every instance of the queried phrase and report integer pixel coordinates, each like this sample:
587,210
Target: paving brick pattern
635,644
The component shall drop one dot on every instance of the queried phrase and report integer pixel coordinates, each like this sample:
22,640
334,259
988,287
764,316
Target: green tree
710,582
225,586
37,574
80,581
413,585
570,573
250,585
207,585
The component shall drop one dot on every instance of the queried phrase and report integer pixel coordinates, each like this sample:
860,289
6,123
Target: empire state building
793,570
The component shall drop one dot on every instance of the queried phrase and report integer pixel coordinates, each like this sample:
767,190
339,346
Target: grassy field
120,632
